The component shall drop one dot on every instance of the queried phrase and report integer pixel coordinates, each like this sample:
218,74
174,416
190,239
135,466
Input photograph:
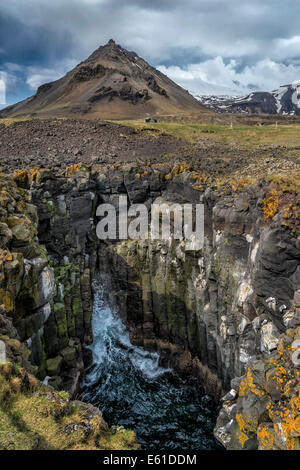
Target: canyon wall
209,313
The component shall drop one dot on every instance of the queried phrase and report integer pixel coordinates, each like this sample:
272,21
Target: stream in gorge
132,390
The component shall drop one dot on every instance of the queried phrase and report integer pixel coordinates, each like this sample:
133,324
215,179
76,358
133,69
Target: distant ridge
284,101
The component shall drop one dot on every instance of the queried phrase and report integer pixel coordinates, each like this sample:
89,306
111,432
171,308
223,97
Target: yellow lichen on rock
248,385
76,170
266,436
247,426
270,204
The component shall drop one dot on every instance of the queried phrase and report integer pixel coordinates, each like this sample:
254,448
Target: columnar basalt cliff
46,285
209,313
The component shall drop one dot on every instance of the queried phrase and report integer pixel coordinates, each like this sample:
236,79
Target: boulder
54,366
269,337
69,356
2,352
272,384
5,235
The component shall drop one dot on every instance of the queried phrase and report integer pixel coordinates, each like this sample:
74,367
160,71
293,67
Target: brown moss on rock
34,416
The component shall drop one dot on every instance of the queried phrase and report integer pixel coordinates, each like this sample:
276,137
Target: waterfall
112,349
128,385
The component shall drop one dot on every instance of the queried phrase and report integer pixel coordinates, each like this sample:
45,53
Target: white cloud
10,79
37,76
251,41
286,48
2,90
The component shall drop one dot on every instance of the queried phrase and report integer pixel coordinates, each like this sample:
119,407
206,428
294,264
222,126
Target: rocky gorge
228,314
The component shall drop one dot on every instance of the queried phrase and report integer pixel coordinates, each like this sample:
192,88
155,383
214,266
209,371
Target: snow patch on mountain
285,101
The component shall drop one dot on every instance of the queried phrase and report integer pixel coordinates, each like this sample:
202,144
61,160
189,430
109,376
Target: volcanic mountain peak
114,56
111,83
109,49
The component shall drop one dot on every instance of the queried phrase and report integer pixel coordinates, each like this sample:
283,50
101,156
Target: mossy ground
33,416
278,427
268,152
246,136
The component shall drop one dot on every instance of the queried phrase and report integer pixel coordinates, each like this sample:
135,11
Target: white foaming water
130,388
112,345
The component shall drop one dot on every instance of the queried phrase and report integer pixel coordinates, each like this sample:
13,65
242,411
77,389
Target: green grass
245,136
10,121
33,416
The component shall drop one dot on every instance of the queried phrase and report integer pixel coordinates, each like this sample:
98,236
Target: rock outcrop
45,419
112,83
262,410
208,313
45,286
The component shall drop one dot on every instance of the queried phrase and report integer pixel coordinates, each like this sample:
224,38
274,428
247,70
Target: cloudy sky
236,45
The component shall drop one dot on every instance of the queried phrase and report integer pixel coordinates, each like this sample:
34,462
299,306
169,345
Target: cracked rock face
211,313
264,411
2,352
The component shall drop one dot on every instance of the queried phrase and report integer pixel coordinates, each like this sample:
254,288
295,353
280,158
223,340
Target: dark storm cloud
27,46
222,41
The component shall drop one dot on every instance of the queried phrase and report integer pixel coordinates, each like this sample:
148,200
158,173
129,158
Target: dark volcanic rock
112,83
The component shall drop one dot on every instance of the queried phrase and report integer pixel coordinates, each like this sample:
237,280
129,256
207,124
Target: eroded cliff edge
210,313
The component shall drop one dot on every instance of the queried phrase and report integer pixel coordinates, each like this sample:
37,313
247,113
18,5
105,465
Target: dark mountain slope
112,83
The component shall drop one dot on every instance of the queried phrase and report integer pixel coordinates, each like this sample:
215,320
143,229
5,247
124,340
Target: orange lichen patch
289,387
248,385
21,177
6,299
242,437
70,170
24,178
6,198
8,257
21,206
16,220
286,418
180,167
287,183
75,170
34,175
201,180
280,376
291,217
158,166
270,204
235,184
266,436
247,426
278,426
